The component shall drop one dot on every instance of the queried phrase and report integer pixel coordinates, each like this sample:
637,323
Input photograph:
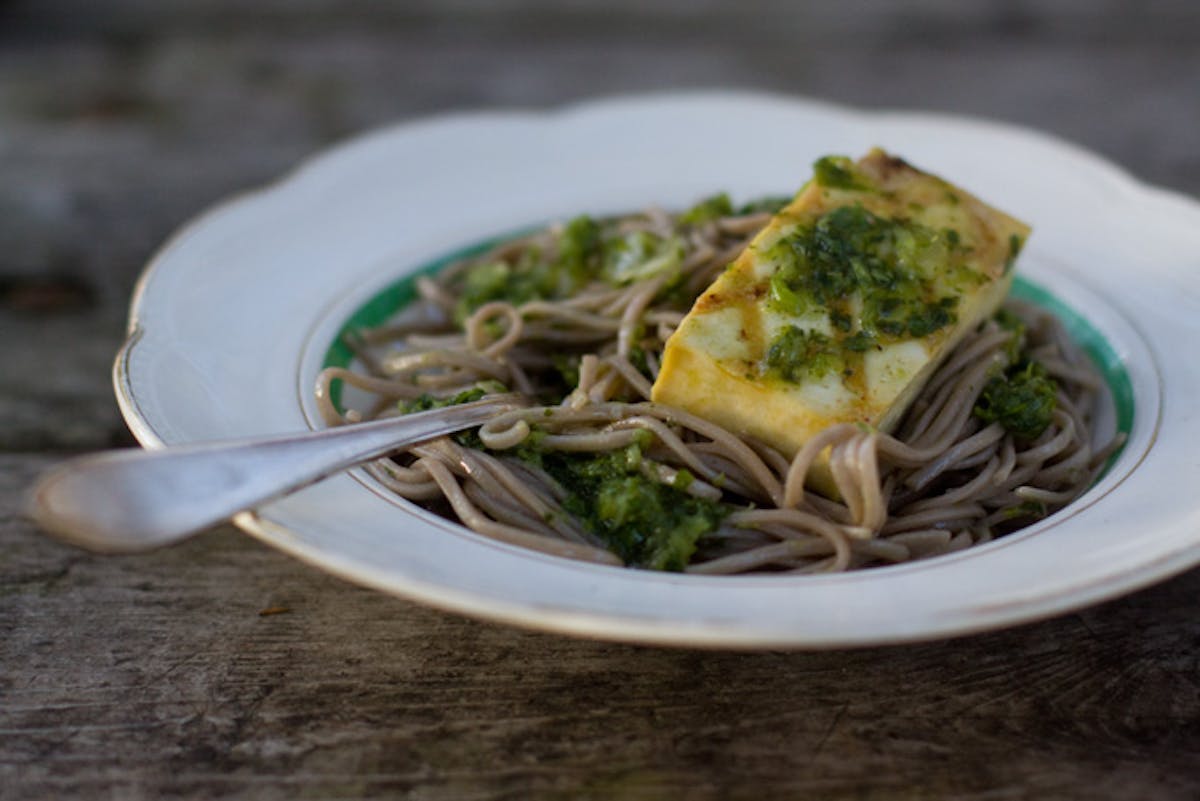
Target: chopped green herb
783,297
859,342
567,365
637,357
850,253
683,479
797,355
586,251
771,204
1009,321
641,255
711,208
1013,323
1022,400
646,522
929,317
484,282
1026,509
578,246
427,401
719,205
534,276
839,172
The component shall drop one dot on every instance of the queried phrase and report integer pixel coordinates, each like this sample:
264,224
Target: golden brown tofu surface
842,306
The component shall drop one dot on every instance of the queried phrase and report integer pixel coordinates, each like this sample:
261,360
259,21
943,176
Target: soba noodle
945,480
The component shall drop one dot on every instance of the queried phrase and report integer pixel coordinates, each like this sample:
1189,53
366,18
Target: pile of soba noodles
574,318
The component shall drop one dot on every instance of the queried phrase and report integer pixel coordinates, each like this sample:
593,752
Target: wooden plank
161,674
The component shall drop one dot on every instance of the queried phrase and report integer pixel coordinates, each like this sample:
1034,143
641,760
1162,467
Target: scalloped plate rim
706,633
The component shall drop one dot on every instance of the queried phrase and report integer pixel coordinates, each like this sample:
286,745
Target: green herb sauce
534,276
590,250
770,204
711,208
873,276
427,401
1022,399
839,172
587,251
797,355
646,522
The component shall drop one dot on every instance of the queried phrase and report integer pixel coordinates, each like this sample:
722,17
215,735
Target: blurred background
121,119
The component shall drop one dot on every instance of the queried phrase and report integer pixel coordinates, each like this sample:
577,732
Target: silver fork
134,500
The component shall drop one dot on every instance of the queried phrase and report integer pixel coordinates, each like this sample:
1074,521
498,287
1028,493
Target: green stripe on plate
1094,344
388,302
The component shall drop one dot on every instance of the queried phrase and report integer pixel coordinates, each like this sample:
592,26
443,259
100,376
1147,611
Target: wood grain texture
155,674
160,675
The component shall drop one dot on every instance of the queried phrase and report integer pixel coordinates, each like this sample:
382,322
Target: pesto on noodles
575,317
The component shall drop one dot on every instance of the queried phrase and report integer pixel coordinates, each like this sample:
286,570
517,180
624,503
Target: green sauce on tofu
879,280
797,355
838,172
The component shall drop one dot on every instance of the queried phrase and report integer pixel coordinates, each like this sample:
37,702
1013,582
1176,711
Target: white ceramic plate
233,319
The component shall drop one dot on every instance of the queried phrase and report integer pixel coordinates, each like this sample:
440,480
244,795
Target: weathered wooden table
165,675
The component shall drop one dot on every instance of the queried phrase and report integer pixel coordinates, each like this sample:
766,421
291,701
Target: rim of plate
1115,327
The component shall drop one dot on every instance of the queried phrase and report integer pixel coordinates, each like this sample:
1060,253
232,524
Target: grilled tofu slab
842,306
